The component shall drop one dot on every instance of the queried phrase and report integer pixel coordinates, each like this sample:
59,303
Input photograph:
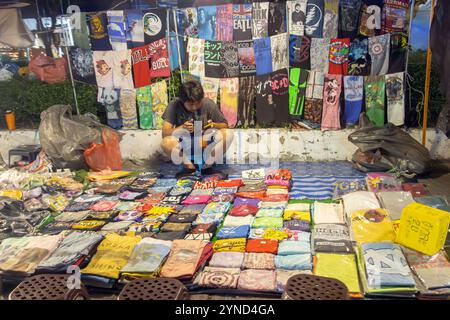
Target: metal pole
427,80
73,82
178,43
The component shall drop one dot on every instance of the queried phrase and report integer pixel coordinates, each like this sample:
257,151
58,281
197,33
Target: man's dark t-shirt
176,113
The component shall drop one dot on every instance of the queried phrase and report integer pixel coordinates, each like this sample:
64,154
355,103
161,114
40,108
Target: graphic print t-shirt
260,20
395,15
213,59
359,58
263,56
349,11
277,18
398,52
247,64
297,17
298,79
98,32
370,18
155,25
135,29
314,18
103,64
339,49
299,51
141,67
82,62
265,108
280,93
224,31
159,59
242,22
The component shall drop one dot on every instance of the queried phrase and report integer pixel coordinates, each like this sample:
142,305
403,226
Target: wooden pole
427,81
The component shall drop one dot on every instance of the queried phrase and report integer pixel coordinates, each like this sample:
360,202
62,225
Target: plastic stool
309,287
153,289
29,152
48,287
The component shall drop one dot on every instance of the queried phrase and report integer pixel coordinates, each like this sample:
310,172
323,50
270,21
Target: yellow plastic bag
372,225
112,255
423,228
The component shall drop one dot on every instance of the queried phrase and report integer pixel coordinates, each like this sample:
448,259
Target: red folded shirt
230,183
252,195
276,198
243,210
262,246
416,189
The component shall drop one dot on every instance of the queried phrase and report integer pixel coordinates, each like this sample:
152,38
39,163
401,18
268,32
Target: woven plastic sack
106,155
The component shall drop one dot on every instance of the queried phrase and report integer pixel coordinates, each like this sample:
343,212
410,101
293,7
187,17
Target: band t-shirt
176,113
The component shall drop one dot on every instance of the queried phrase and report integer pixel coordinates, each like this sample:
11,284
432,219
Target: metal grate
308,287
153,289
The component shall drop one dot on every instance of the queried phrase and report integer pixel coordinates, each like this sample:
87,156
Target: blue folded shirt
233,232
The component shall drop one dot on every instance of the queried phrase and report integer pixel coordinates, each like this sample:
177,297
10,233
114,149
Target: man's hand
209,125
188,125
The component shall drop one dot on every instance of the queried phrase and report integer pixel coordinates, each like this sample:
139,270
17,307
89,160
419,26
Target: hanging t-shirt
159,102
213,59
379,54
298,79
398,52
395,16
314,97
246,53
349,12
103,64
98,31
117,30
224,30
314,18
370,18
141,66
331,21
339,49
265,109
196,53
279,50
123,77
242,22
280,94
297,16
207,19
128,109
109,98
247,98
80,33
82,62
277,18
263,56
353,93
144,103
260,28
155,25
159,59
319,54
229,100
332,89
229,61
359,58
188,22
299,51
374,90
175,44
211,88
395,98
135,28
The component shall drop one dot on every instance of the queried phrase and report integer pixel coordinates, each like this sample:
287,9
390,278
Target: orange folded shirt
262,246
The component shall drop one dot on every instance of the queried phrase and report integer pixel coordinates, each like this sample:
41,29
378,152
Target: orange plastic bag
48,69
105,156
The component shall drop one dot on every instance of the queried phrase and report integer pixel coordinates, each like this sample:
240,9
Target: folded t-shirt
298,225
257,280
254,260
294,262
243,210
240,201
262,245
286,248
233,232
268,223
236,245
231,221
227,259
224,278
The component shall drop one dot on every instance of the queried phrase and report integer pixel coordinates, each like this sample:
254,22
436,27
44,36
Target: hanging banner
247,99
207,22
299,52
370,18
379,54
135,29
260,28
128,109
82,62
395,98
339,49
277,18
374,90
144,103
279,51
395,16
331,21
247,64
349,11
98,31
298,79
359,58
155,25
314,18
319,53
242,22
331,102
229,100
263,56
297,17
224,29
353,94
